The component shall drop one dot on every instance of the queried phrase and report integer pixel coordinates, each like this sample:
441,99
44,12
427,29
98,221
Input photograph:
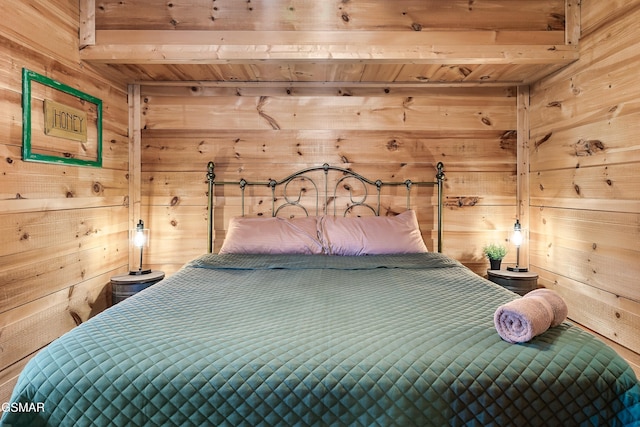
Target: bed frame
320,180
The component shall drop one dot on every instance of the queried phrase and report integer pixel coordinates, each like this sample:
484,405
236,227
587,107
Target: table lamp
516,239
140,239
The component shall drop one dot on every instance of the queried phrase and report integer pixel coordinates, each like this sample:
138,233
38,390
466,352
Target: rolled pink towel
560,309
522,319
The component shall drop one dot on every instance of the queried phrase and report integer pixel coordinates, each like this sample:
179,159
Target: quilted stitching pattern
325,341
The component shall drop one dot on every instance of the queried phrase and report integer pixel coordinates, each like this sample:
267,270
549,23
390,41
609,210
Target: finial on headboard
440,174
210,175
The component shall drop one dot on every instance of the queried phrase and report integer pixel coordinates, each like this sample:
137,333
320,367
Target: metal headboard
294,200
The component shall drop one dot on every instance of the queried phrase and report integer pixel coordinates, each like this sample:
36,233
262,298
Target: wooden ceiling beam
440,47
363,38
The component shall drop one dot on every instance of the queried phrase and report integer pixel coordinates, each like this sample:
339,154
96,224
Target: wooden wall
63,228
419,41
269,132
585,184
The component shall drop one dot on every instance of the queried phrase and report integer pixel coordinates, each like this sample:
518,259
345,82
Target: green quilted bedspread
320,340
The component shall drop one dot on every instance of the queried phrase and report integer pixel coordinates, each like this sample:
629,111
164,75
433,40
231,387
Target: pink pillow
257,235
372,235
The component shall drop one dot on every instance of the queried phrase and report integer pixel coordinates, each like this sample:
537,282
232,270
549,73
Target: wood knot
508,140
416,27
97,188
588,147
9,160
175,200
543,140
465,71
174,223
393,145
462,201
345,17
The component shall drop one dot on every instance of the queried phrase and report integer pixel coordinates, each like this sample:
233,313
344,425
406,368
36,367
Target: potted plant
495,252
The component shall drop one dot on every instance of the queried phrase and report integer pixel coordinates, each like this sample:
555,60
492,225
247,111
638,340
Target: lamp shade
140,236
516,237
139,240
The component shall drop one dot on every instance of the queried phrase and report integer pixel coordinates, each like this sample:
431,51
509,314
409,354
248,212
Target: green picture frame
31,153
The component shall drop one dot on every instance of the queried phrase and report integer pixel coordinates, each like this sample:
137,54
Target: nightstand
123,286
516,281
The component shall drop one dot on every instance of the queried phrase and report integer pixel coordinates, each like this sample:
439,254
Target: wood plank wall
418,41
261,132
330,15
63,228
585,184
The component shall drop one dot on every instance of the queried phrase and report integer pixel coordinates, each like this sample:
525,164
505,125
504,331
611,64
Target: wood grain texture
330,15
585,204
430,42
422,82
64,228
258,134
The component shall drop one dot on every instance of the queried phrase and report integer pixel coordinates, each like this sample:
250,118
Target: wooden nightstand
516,281
122,287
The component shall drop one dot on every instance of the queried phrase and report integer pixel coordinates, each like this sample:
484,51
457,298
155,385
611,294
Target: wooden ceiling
401,42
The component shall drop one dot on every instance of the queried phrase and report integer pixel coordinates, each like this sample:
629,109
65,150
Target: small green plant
495,250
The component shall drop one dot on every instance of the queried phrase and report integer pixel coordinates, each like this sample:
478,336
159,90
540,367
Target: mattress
321,340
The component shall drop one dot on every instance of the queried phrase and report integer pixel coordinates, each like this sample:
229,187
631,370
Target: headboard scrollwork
298,185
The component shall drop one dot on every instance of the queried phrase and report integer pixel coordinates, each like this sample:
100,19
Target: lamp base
139,272
518,269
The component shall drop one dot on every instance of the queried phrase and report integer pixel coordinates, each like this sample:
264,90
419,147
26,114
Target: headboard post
211,179
440,178
243,185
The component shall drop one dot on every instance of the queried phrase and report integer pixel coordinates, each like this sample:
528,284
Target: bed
332,337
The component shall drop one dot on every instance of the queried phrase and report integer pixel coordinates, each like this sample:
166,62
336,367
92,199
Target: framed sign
60,124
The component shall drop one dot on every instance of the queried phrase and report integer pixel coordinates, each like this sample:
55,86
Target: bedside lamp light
516,239
140,239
